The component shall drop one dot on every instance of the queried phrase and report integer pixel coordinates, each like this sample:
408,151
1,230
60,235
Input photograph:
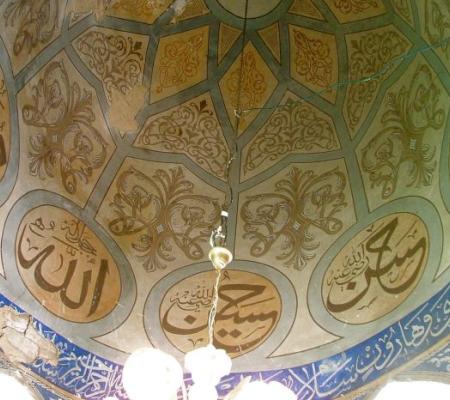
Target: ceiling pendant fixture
151,373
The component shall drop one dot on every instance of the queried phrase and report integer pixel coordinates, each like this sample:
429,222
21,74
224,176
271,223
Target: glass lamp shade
207,365
151,374
11,388
415,390
202,392
265,391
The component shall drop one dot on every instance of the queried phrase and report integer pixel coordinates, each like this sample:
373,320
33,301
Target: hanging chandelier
151,373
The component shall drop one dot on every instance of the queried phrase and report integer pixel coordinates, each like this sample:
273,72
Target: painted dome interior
321,126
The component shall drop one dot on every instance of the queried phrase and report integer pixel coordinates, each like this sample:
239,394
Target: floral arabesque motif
302,201
437,23
179,61
37,21
313,60
354,6
163,212
139,10
116,59
410,114
402,7
246,84
295,127
66,143
192,129
368,56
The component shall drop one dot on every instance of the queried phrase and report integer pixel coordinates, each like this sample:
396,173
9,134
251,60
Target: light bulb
207,365
202,392
265,391
415,390
12,389
151,373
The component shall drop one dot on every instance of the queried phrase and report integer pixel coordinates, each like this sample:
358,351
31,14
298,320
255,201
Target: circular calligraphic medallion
256,8
65,265
249,309
376,270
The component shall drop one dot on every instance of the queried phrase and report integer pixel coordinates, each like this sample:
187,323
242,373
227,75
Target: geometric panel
271,37
368,53
314,61
400,154
64,140
227,37
295,128
248,84
290,219
306,8
435,26
192,9
28,26
160,214
354,10
191,128
181,62
403,8
115,58
138,10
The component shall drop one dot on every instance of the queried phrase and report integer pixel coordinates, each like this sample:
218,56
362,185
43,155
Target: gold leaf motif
411,113
138,10
301,201
65,145
117,60
368,55
354,6
35,21
161,213
246,86
296,127
437,23
313,60
192,129
354,10
179,61
403,8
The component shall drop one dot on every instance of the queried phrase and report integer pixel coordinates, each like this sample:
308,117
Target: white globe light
265,391
415,390
11,388
151,374
207,365
202,392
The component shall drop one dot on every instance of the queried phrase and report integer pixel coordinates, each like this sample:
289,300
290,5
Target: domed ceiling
321,125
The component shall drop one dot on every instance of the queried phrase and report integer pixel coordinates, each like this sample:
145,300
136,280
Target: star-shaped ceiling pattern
123,125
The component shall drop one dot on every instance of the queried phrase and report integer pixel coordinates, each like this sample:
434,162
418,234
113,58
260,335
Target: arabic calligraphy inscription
4,126
65,266
377,270
248,311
